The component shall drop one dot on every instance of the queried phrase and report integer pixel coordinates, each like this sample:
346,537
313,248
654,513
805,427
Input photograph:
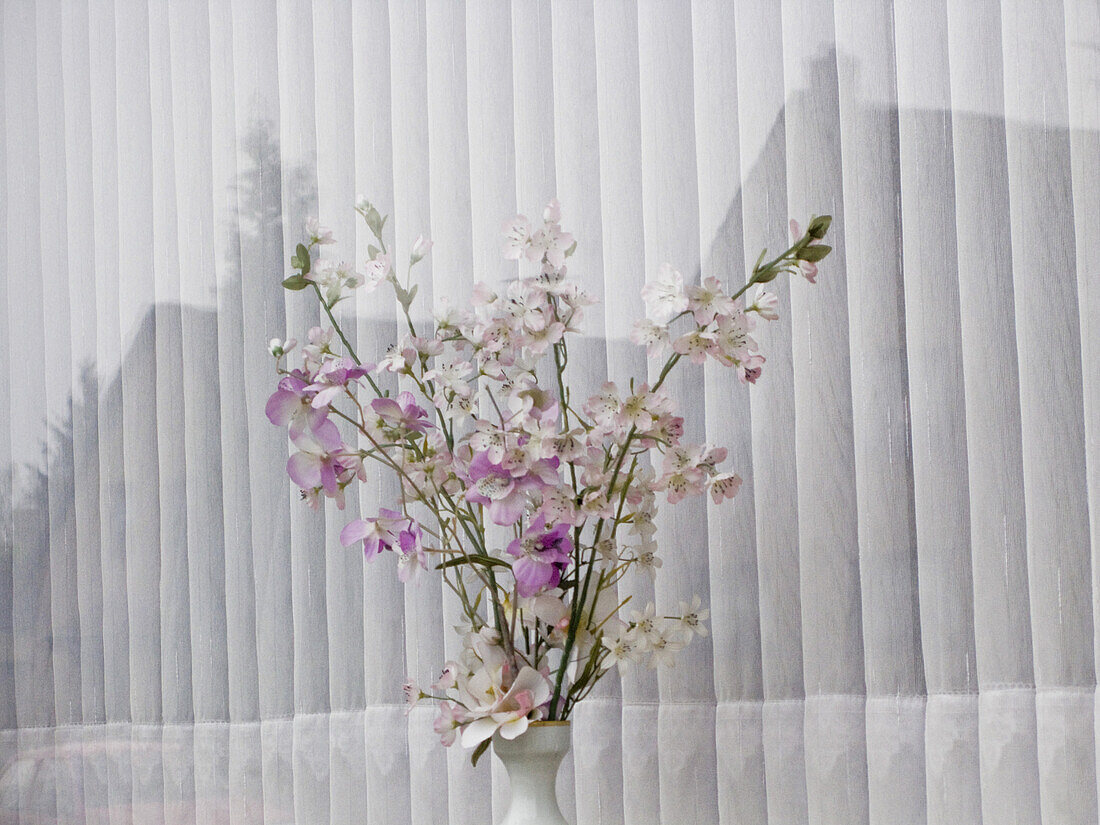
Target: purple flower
401,412
541,557
377,534
333,376
412,557
504,491
292,404
317,464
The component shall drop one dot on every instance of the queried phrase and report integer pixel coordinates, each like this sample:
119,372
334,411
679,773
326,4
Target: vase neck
532,761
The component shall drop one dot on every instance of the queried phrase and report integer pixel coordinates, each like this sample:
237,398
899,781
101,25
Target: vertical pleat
218,206
133,269
30,522
174,587
57,369
84,382
904,594
7,486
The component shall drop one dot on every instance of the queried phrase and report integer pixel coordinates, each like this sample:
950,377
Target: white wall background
904,594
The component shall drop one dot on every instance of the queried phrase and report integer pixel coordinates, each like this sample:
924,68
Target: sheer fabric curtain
903,596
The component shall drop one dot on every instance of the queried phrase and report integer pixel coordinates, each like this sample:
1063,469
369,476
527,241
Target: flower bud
420,249
280,348
819,226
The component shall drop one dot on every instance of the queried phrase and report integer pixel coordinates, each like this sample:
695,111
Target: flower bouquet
531,505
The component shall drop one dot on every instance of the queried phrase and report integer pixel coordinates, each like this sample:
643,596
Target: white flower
645,625
493,708
622,650
318,234
663,647
647,559
517,234
692,618
765,304
651,335
665,298
333,278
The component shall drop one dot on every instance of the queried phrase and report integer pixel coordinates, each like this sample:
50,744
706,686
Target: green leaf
765,276
296,282
473,558
759,260
479,751
569,252
819,226
374,221
373,251
405,297
302,254
814,253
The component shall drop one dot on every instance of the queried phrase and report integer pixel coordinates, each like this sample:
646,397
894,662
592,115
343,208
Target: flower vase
532,761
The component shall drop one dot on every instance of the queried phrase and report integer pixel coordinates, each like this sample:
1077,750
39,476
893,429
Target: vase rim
550,723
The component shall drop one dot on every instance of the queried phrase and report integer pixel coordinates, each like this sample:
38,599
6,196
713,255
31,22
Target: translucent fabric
904,594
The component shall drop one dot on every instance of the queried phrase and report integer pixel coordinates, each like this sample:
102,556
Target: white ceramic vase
532,761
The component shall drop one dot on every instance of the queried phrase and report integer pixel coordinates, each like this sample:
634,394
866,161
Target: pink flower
505,492
732,340
378,268
709,300
723,486
695,344
749,369
450,719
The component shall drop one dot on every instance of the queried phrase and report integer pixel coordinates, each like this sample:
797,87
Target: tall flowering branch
474,439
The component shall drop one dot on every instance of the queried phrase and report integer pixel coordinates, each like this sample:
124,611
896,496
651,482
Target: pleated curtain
904,594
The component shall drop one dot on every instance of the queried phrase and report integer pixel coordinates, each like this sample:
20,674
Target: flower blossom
377,534
493,708
318,234
504,492
708,301
665,298
319,461
765,304
401,414
292,405
541,556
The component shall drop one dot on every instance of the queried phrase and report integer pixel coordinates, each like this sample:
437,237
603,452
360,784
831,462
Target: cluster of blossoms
459,416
